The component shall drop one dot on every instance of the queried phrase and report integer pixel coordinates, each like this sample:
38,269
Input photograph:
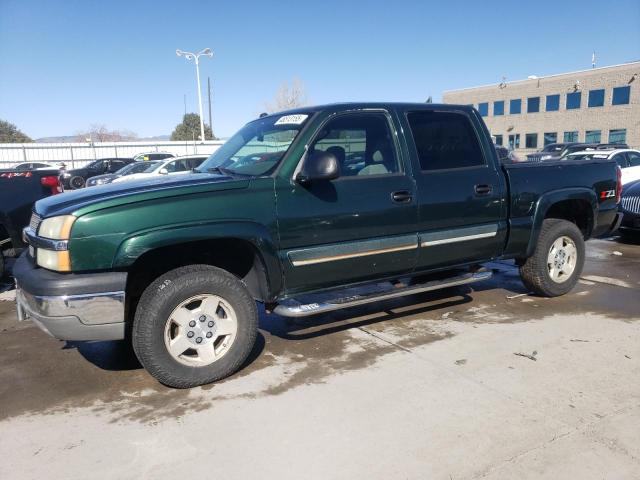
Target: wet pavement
484,381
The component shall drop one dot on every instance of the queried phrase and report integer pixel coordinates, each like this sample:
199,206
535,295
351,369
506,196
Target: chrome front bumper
96,316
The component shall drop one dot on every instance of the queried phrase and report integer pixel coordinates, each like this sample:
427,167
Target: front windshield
95,165
257,147
552,148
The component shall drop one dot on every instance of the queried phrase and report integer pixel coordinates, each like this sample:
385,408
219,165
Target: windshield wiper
220,170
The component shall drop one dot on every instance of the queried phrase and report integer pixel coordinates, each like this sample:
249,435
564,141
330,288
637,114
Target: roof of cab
371,105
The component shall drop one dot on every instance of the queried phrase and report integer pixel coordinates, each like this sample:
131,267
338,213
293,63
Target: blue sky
67,64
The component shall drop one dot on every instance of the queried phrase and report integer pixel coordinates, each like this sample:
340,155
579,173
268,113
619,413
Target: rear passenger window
444,140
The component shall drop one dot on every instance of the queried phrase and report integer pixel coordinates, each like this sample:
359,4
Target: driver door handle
482,190
403,196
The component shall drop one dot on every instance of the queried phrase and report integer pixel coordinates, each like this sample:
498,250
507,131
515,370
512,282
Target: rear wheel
557,262
194,325
76,182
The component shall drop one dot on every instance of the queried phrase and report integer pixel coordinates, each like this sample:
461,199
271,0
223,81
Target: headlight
545,157
66,175
57,228
58,261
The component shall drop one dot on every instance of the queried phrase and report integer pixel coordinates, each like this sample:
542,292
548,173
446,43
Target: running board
294,308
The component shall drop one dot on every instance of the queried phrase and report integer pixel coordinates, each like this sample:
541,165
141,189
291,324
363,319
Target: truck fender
548,200
257,235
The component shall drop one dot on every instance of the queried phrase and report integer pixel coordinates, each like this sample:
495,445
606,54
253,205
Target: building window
483,108
498,108
570,136
531,140
596,98
553,103
618,135
550,137
573,100
515,106
498,139
514,141
533,104
621,95
592,136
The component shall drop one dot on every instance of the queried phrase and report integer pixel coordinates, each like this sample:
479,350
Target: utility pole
185,104
209,93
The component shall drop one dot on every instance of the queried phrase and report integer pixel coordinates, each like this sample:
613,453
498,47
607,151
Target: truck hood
86,200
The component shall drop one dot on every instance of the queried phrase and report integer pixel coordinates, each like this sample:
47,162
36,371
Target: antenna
593,60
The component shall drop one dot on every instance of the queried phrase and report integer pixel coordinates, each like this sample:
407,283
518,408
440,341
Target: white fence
78,154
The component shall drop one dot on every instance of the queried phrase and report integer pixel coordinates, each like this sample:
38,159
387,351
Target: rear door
461,194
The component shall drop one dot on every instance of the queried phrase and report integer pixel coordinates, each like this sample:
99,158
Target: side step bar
294,308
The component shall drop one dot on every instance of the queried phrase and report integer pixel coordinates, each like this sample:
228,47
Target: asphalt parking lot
483,382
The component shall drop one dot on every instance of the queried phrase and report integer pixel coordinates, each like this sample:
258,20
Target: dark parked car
19,190
176,263
132,168
77,177
557,151
630,208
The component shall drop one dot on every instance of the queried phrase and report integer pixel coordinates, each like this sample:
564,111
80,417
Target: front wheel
194,325
557,262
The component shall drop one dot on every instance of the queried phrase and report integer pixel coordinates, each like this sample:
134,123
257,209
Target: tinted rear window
444,140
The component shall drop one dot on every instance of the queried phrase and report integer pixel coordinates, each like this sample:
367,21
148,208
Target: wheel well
579,212
239,257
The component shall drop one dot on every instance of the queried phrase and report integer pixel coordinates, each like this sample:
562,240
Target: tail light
618,184
53,183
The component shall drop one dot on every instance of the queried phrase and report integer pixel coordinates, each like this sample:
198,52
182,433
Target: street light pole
196,58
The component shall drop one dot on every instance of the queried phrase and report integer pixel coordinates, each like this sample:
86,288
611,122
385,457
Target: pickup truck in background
19,190
305,211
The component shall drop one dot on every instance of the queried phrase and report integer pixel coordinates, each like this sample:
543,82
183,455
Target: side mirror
163,171
317,166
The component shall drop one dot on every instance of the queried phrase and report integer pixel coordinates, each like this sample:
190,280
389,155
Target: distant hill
74,139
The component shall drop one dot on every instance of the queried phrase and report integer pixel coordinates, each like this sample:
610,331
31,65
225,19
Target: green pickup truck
304,211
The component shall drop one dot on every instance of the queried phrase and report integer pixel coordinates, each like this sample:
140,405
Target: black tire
158,302
535,273
76,182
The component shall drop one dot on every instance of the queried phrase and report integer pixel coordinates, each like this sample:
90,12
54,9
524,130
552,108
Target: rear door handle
483,189
403,196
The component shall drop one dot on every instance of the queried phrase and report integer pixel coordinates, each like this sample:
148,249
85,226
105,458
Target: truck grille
34,223
534,157
631,204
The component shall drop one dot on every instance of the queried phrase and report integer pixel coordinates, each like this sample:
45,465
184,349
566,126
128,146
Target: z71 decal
607,194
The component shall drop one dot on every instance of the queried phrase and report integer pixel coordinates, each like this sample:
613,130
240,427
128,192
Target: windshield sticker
291,120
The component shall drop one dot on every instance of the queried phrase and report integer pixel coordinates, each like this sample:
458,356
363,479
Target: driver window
621,160
634,159
175,166
361,142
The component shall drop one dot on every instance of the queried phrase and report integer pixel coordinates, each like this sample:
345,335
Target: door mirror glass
163,171
319,166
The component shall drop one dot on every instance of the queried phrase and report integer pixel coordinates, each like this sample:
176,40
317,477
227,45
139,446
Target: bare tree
100,133
288,96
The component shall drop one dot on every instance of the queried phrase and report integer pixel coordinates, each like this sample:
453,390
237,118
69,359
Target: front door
461,194
359,226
